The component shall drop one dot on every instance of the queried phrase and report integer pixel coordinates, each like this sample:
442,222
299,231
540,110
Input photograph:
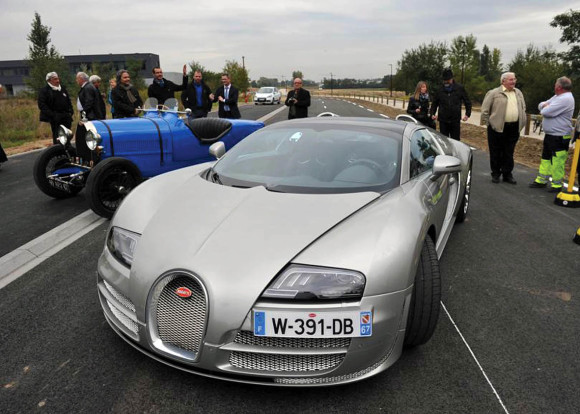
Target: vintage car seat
209,130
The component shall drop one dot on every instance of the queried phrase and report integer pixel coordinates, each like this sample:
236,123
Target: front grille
180,321
119,308
248,338
122,318
284,363
123,300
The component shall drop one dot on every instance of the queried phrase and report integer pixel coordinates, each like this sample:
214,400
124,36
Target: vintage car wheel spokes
426,298
108,184
50,160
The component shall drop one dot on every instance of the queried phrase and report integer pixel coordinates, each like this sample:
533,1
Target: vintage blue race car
111,157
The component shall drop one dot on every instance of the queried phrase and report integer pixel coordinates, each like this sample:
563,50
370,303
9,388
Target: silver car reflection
307,255
267,95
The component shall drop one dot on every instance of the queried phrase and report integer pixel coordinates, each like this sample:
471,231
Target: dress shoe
536,184
509,180
494,179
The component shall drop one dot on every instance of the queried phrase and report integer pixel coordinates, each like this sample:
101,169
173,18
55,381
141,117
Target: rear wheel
50,160
426,298
464,207
108,184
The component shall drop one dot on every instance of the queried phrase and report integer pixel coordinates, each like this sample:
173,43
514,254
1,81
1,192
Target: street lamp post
284,80
391,65
331,83
463,46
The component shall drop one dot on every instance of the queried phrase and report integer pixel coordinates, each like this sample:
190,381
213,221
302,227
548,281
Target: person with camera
298,101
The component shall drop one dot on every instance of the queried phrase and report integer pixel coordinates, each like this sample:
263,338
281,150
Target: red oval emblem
183,292
312,315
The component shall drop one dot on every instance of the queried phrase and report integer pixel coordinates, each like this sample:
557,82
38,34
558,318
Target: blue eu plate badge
259,323
366,324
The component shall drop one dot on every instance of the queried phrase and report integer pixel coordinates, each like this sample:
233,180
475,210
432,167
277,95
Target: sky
346,38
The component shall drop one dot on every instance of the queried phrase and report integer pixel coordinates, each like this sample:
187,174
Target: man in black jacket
227,96
298,101
197,97
125,96
55,105
89,98
163,89
448,100
96,81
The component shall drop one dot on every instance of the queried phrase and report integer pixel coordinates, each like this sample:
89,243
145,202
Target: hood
235,240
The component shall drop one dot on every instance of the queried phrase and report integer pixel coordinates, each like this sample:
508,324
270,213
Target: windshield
266,90
314,158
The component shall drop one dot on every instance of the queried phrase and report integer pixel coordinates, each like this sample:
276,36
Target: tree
297,74
537,71
238,75
570,25
133,67
43,58
426,63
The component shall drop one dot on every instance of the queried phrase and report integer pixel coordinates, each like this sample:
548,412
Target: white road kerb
26,257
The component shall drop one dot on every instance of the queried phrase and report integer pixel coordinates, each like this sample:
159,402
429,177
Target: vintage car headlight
93,139
122,244
64,135
308,282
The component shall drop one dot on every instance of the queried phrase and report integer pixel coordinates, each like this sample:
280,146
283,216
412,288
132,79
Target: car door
423,150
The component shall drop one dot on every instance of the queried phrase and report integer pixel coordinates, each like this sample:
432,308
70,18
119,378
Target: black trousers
450,129
501,148
198,113
59,119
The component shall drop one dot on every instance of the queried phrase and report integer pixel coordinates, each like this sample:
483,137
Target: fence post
528,120
403,104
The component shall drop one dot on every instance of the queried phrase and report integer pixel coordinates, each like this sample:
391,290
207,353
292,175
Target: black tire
465,198
50,160
426,298
108,184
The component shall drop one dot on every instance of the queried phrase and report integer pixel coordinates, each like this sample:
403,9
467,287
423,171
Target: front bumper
239,355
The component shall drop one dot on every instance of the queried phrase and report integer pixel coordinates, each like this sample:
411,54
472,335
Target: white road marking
370,110
384,116
26,257
475,359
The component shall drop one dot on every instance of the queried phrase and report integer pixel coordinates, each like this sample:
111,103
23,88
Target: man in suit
55,105
163,89
88,99
96,81
197,97
298,101
227,96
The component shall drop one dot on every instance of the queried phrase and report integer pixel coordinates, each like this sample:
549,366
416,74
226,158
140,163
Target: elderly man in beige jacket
504,112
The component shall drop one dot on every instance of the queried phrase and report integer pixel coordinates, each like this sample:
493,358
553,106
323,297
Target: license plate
61,185
305,324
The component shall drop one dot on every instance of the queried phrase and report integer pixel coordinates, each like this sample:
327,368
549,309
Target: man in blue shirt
557,115
197,97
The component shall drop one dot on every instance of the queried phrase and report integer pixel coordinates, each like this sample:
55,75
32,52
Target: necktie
226,95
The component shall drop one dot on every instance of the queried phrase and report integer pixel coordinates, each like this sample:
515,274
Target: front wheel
108,184
426,298
54,175
464,207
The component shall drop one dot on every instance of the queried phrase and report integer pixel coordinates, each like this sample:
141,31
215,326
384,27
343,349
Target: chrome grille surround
248,338
177,325
285,362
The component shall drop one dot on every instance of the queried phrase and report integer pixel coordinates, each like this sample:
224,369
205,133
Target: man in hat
448,100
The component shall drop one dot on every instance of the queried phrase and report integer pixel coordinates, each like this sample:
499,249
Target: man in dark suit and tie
227,96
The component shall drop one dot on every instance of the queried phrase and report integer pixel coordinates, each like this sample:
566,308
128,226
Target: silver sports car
307,255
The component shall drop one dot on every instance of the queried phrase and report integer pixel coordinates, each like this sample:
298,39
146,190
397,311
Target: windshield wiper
215,177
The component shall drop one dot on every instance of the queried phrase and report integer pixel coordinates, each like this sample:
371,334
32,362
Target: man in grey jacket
504,112
557,113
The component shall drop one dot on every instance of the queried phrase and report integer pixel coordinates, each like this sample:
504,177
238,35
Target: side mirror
217,149
406,118
445,164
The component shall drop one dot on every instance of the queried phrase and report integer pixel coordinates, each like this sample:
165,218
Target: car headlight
122,244
93,139
308,282
64,135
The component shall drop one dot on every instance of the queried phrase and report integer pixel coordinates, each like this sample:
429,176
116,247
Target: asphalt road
509,342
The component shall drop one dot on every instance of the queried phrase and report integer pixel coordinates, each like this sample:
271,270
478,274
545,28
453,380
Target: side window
423,152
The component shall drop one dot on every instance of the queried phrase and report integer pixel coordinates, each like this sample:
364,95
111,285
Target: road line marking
28,256
384,116
370,110
475,358
271,114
